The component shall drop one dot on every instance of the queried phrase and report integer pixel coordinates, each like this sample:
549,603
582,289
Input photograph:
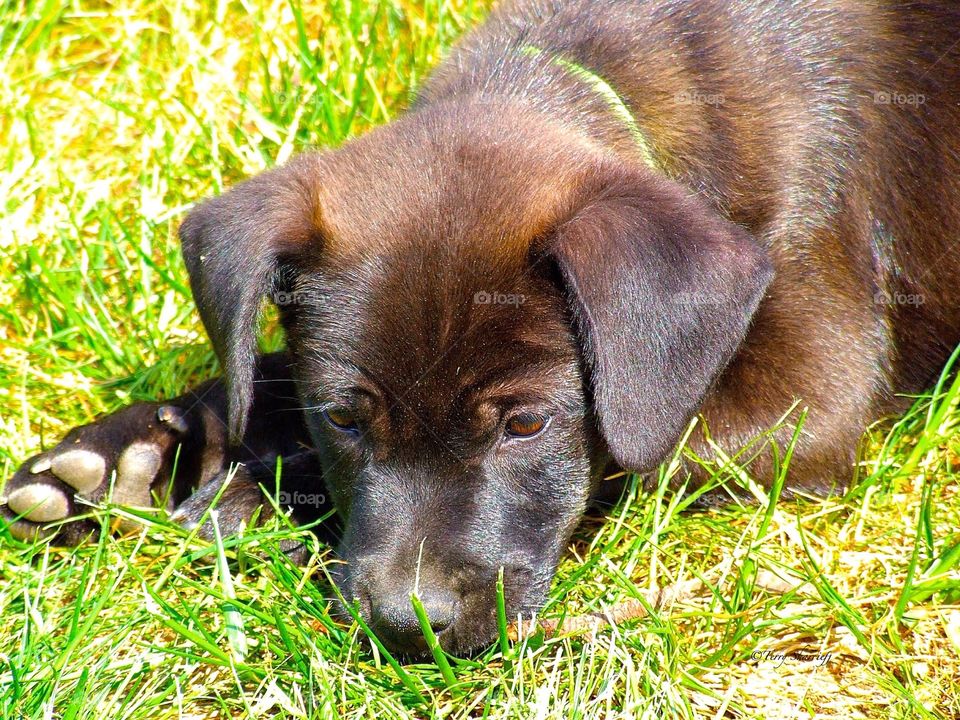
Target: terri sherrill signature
779,658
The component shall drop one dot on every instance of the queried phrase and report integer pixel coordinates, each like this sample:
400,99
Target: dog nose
396,623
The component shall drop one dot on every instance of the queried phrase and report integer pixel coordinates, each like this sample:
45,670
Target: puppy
597,221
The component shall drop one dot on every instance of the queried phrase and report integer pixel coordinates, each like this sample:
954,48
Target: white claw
179,516
173,418
38,503
81,469
41,465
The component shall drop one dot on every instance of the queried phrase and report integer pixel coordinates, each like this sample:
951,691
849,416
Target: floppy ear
661,290
233,246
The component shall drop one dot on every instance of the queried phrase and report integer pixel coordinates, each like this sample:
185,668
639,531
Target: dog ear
233,246
661,291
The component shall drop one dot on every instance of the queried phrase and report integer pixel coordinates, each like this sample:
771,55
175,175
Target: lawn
115,118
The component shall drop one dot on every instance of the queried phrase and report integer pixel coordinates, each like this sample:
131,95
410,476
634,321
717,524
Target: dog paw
126,458
239,505
235,495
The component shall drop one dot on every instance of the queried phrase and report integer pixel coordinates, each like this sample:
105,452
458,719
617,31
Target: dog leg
814,348
243,499
131,458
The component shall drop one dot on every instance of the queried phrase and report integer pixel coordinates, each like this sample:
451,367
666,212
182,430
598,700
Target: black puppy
598,220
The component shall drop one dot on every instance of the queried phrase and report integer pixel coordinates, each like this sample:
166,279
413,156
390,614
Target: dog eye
526,425
341,419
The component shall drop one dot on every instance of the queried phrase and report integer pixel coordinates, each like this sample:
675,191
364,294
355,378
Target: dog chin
470,635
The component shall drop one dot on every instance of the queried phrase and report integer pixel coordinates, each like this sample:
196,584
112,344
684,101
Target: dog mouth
408,642
468,627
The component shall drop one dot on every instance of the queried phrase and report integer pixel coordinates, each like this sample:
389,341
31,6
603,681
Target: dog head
479,320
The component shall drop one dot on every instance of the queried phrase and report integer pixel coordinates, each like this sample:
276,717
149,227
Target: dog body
598,220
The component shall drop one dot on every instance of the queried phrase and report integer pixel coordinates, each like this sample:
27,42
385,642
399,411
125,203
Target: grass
116,119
